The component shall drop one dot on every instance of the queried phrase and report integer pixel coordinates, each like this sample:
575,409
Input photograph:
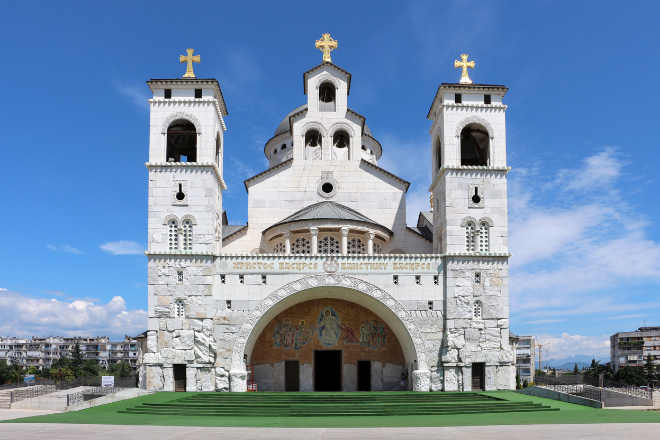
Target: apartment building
632,348
525,359
42,352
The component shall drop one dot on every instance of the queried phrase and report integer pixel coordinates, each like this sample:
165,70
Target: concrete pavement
54,431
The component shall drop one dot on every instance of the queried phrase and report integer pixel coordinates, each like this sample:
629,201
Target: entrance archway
342,287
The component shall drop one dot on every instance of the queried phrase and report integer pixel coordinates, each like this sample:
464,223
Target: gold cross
189,59
326,44
465,79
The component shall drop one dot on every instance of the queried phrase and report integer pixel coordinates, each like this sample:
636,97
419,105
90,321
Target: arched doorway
327,287
327,345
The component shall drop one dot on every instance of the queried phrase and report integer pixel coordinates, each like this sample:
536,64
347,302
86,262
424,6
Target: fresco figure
348,335
277,333
328,327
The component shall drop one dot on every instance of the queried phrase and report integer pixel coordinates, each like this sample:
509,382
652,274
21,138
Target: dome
284,125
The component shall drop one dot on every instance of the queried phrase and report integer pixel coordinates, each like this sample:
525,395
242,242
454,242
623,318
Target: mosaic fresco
327,324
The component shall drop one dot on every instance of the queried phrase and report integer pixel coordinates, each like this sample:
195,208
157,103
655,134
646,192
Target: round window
327,188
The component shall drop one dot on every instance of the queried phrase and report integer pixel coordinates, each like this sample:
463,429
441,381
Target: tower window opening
218,151
435,280
198,93
418,280
179,309
475,146
469,237
477,309
283,147
395,280
223,279
168,93
181,142
172,235
475,197
484,244
180,195
340,140
487,99
430,306
477,278
458,98
364,148
187,235
313,144
241,279
228,303
263,279
327,97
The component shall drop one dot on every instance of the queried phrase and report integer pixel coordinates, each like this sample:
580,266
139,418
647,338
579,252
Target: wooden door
478,377
291,376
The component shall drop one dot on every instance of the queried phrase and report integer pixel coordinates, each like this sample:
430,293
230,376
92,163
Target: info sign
108,381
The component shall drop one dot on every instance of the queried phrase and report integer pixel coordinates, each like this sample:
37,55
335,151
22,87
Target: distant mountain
569,363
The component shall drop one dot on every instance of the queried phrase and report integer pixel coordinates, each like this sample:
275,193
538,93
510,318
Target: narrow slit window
222,279
263,279
418,279
435,280
179,277
395,280
458,98
228,304
198,93
430,305
168,93
486,99
241,279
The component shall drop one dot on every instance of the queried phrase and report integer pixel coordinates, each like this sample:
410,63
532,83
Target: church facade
326,288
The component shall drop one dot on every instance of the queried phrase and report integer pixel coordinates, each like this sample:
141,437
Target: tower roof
332,66
179,83
457,87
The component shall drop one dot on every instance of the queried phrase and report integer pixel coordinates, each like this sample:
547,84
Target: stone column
179,238
370,243
344,240
315,240
287,243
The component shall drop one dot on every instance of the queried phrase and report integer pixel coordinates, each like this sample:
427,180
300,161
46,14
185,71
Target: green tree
76,359
540,373
650,370
120,369
630,375
91,368
518,384
576,370
554,371
5,372
525,383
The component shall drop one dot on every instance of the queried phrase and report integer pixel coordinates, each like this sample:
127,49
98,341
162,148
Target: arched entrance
327,344
339,287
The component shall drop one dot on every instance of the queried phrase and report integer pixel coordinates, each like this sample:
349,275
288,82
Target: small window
430,305
458,98
395,280
179,277
477,278
476,310
228,304
364,148
435,280
168,93
222,279
180,309
263,279
283,147
198,93
486,99
418,279
241,279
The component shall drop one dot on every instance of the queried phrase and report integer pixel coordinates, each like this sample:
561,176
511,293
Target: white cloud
598,170
2,288
135,94
21,315
122,247
571,345
65,248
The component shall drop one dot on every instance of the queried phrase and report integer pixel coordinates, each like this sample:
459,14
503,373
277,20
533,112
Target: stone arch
340,126
351,289
322,133
192,218
327,78
167,218
475,120
487,220
465,221
182,115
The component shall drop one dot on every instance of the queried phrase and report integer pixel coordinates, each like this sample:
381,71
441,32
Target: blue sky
582,106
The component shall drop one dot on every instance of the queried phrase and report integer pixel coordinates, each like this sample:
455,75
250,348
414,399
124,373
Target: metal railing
31,392
93,382
580,379
91,394
585,391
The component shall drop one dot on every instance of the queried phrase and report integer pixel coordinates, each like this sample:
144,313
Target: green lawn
568,413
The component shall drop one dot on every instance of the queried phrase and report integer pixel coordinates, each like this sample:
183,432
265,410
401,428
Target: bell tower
469,188
184,226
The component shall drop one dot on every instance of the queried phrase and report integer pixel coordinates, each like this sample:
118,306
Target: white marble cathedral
326,288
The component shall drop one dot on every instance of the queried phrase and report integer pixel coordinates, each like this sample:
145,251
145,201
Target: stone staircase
333,405
5,399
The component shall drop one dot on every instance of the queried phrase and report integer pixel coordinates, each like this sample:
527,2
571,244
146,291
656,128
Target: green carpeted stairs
334,404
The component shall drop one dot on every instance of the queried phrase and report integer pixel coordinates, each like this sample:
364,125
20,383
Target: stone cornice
355,226
268,171
151,165
180,253
387,173
444,88
222,107
442,170
364,256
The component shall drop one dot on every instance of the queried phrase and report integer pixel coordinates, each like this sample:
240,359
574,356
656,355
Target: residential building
632,348
42,352
525,359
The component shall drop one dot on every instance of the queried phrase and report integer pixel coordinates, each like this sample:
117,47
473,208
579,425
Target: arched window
173,235
274,152
181,142
364,148
327,97
469,237
180,309
313,144
187,235
340,144
475,146
377,249
438,155
329,245
283,147
476,309
300,246
356,246
484,245
218,149
279,248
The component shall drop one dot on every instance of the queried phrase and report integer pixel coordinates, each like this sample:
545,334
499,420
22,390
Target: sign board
108,381
29,379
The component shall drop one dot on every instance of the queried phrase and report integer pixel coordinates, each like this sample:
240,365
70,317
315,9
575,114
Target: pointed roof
327,211
331,65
